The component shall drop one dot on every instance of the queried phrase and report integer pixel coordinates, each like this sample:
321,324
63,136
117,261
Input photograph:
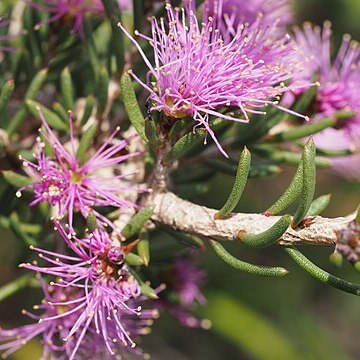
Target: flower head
183,281
339,90
70,186
53,330
110,306
74,11
196,74
234,13
348,242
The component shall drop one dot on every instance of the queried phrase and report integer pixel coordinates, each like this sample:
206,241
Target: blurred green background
293,318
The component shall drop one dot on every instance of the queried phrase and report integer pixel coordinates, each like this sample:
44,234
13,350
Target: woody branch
182,215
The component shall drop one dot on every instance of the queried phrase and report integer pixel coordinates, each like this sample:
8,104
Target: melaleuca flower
73,11
50,325
234,13
196,74
339,90
183,283
58,314
348,242
110,308
70,186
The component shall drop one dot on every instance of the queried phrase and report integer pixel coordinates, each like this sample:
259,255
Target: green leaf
33,89
145,287
357,266
287,157
36,84
148,291
244,266
117,41
102,90
190,141
14,286
239,185
179,126
67,88
300,132
16,120
5,94
91,221
138,13
92,53
143,247
336,259
132,107
248,330
269,236
16,179
17,229
89,104
134,260
86,140
334,153
135,224
151,133
60,111
291,194
51,118
319,205
320,274
305,100
31,229
264,170
309,182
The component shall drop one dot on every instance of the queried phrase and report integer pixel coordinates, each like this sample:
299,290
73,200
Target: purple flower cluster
184,281
94,305
74,11
339,90
234,13
71,186
200,70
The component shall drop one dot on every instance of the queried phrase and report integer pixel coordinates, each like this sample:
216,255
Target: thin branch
187,217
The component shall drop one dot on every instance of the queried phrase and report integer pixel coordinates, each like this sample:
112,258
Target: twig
185,216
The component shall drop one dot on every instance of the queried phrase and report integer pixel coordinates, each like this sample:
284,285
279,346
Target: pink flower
198,75
59,312
65,183
339,90
234,13
110,307
74,10
48,324
184,281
